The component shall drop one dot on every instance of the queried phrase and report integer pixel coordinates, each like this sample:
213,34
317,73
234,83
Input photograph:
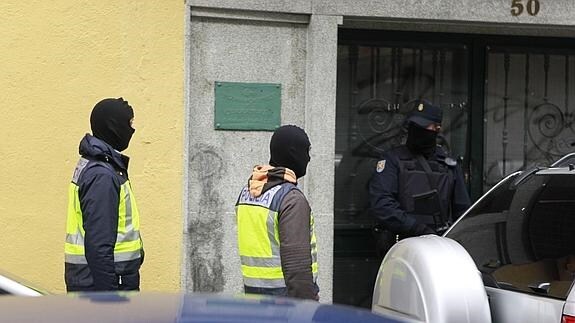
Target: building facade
501,70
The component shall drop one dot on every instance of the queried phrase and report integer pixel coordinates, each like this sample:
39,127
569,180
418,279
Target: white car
10,285
509,258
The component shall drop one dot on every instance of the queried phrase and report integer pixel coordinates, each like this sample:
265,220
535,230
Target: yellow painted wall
57,59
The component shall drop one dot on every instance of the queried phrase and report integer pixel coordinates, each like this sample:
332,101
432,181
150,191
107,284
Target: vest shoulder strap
270,199
278,198
403,153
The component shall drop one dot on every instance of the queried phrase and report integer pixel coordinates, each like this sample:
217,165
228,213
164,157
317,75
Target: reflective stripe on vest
258,237
128,242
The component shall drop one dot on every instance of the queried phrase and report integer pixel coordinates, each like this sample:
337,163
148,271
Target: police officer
103,249
276,239
417,188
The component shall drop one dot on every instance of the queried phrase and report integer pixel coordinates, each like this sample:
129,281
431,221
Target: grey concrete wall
320,124
555,12
242,46
286,6
555,18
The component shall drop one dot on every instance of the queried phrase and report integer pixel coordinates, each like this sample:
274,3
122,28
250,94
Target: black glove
420,229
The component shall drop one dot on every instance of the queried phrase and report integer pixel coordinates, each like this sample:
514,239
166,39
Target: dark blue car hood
163,307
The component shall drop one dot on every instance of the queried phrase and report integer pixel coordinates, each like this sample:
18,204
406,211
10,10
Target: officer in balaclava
416,188
103,249
289,147
423,125
111,121
271,202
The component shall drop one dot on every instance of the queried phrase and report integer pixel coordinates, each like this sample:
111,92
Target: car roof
168,307
537,170
565,160
569,170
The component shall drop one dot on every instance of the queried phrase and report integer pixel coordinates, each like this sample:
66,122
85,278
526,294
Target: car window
522,236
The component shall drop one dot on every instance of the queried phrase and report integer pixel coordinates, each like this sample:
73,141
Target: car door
510,306
521,236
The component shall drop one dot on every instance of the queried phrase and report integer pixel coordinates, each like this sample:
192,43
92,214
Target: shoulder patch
380,166
82,163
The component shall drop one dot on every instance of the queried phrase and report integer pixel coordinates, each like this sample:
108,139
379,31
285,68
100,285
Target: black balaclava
110,121
289,147
420,140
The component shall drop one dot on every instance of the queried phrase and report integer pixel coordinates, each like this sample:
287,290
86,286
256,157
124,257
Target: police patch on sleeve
380,166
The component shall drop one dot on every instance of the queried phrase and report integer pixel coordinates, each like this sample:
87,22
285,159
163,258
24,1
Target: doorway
506,103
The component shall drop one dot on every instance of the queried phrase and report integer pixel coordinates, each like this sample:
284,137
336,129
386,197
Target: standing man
417,188
103,250
276,239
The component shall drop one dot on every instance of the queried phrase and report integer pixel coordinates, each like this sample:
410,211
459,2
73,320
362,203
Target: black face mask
289,147
420,140
110,121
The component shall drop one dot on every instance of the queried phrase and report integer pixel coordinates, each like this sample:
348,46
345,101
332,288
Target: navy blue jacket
389,187
99,195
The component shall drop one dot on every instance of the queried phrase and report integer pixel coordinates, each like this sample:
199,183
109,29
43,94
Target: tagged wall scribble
204,230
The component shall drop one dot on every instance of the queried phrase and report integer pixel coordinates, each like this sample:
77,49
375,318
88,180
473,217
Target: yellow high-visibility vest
128,242
258,237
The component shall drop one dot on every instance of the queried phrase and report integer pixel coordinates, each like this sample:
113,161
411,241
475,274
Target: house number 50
531,6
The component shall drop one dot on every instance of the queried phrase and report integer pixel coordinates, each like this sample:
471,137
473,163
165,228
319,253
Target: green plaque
247,106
